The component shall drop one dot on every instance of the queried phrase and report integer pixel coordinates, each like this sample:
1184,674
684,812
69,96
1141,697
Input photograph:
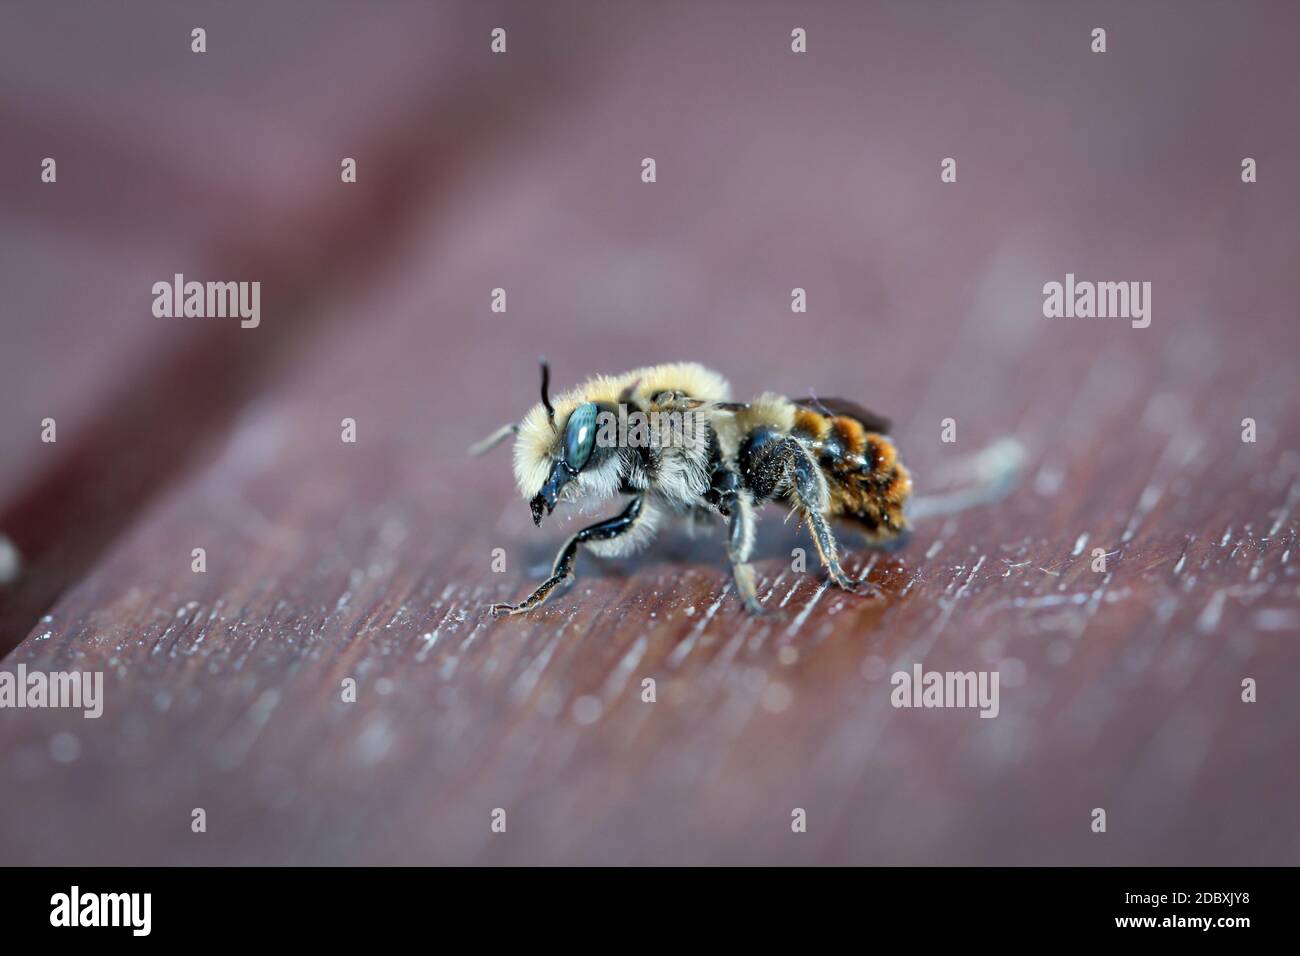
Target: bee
670,438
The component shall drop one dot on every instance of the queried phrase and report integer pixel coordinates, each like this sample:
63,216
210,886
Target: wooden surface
328,561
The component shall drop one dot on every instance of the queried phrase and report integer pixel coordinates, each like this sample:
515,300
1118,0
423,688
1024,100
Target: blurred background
370,561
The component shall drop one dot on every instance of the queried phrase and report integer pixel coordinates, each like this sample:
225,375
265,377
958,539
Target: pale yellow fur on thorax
774,411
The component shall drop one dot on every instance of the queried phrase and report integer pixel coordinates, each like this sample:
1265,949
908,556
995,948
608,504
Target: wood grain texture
328,561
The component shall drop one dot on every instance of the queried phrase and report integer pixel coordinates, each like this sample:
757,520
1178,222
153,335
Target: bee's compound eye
580,436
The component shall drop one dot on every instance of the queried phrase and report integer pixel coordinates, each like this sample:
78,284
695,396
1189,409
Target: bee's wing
849,409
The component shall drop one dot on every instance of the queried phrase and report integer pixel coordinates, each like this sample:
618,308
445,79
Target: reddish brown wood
329,561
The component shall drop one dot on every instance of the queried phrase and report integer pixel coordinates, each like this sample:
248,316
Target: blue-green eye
580,436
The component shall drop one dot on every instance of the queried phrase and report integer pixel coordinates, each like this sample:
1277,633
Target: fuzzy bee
670,437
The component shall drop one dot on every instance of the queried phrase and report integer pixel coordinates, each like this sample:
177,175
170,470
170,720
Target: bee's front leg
562,569
533,600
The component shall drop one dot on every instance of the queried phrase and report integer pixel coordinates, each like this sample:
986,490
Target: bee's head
557,452
574,448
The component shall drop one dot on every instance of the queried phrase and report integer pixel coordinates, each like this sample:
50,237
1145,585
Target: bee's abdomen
867,482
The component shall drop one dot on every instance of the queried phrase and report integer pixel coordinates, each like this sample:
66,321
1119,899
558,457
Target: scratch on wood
776,582
1282,516
1094,602
526,682
1177,455
1209,618
798,622
618,677
683,650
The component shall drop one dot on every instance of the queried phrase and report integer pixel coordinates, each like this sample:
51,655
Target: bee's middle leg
563,567
725,496
740,541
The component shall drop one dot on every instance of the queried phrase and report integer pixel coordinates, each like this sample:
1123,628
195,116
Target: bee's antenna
546,393
496,438
818,402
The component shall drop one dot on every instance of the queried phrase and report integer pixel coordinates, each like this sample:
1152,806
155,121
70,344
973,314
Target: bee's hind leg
807,490
563,567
